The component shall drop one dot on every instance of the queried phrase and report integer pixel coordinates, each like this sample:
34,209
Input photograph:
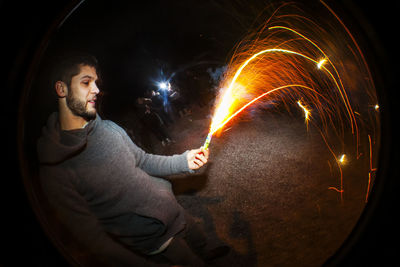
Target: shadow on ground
265,190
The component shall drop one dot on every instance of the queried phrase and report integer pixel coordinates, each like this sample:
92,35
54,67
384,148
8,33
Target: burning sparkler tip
207,142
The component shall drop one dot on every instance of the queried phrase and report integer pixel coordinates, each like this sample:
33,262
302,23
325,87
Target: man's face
81,98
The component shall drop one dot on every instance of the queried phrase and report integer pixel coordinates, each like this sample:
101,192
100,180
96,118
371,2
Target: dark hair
69,65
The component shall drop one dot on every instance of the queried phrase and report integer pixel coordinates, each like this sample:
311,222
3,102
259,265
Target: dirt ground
265,191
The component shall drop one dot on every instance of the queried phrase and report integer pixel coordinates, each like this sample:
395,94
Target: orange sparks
306,111
334,188
319,65
370,167
231,95
290,65
226,120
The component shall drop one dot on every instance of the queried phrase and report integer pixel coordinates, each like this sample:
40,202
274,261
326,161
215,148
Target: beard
78,108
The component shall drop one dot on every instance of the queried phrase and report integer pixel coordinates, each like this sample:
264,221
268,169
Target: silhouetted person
152,120
161,107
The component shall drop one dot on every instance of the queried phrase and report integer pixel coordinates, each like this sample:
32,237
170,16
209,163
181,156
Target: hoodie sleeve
157,165
76,229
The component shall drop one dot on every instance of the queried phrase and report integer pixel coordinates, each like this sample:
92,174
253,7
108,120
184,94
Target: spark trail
287,64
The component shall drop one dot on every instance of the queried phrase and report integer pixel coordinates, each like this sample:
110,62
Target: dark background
26,27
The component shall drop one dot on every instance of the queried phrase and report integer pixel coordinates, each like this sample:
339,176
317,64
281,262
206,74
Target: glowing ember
342,159
306,111
321,63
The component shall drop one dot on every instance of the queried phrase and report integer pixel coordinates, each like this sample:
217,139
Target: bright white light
321,62
342,159
163,85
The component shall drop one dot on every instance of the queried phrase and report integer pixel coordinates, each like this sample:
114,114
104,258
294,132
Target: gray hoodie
102,188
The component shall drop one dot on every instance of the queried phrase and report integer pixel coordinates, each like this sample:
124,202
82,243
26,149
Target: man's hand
197,158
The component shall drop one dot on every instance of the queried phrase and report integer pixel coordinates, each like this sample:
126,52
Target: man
101,189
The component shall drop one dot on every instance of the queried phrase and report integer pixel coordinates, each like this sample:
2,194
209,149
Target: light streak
370,167
306,111
228,98
226,120
334,188
339,167
319,64
342,91
273,64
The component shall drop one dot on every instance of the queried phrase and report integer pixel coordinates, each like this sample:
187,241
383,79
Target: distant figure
161,107
152,120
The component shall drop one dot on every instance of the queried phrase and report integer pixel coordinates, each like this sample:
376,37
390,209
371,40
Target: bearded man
103,190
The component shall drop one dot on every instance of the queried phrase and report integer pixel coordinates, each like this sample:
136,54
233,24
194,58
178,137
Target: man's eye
85,82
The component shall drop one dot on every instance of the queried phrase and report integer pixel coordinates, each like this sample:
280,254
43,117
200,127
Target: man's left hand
197,158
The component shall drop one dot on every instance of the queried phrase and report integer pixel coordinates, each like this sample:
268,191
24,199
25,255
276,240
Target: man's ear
61,89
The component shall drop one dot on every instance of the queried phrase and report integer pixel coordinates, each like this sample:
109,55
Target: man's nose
95,89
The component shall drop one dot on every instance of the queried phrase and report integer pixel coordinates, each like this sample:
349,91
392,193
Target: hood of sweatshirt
55,145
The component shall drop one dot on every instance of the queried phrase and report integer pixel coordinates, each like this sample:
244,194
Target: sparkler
228,99
207,142
286,63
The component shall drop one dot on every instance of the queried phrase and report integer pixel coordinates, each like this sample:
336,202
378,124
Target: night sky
140,43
